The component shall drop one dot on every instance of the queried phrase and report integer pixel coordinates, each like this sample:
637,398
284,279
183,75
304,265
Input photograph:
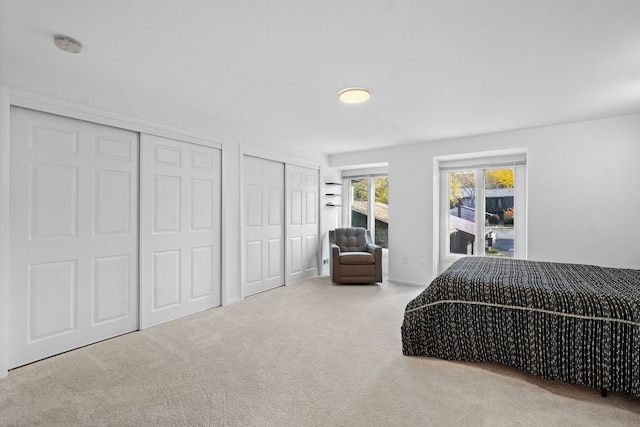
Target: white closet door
180,229
74,235
263,212
302,223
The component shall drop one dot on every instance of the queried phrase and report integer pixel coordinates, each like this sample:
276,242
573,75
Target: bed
568,322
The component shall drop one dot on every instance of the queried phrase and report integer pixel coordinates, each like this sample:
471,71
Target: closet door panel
180,229
263,230
302,222
74,234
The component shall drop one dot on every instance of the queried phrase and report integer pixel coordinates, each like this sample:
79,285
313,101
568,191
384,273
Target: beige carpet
309,354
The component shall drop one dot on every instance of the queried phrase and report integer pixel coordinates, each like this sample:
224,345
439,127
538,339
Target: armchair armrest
376,251
334,259
335,250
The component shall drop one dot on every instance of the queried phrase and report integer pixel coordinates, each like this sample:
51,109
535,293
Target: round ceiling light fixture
354,95
67,44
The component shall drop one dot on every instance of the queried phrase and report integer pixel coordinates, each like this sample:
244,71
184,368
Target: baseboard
232,301
406,282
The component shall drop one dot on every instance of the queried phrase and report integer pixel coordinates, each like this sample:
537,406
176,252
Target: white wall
583,193
331,217
5,249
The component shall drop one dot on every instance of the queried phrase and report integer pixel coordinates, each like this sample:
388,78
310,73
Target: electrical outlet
325,261
405,259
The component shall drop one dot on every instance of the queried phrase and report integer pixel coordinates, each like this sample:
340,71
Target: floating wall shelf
331,194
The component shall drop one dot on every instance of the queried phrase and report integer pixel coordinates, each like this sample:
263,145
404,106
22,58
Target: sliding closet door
302,223
74,234
263,219
180,229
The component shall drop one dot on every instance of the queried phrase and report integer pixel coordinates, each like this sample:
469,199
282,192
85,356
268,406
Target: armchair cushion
351,258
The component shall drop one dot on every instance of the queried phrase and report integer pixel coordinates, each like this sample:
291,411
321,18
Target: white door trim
246,150
34,101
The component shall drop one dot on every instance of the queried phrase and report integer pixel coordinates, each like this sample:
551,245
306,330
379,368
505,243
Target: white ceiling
437,68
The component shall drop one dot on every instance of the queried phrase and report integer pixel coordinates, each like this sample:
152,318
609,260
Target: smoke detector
67,44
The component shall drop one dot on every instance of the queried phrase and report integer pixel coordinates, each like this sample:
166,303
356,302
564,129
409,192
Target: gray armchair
354,257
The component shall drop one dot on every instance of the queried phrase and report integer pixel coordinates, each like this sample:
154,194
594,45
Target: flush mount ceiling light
354,95
67,44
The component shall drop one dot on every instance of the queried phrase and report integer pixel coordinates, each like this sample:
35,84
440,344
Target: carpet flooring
309,354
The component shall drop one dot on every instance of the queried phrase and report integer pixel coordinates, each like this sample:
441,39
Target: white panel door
179,228
74,234
263,219
302,223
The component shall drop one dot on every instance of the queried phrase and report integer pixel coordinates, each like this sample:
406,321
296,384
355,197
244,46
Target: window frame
478,165
371,196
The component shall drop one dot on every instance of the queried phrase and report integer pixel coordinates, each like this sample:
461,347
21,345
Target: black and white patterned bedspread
568,322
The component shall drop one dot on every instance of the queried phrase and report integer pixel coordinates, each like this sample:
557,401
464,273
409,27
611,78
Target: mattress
568,322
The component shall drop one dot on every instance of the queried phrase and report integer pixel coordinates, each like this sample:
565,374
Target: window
359,203
381,211
482,207
369,206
